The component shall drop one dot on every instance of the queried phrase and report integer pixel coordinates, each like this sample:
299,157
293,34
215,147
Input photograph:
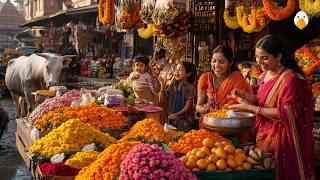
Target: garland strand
276,13
311,7
106,11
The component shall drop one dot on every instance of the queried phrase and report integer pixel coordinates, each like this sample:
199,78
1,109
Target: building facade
10,20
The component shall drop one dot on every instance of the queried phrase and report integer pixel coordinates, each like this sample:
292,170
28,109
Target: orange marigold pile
98,116
108,162
150,130
193,139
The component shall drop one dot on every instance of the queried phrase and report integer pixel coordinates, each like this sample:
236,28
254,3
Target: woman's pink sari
290,137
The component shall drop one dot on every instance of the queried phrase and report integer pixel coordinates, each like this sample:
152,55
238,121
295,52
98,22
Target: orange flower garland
193,139
278,14
108,162
106,11
249,22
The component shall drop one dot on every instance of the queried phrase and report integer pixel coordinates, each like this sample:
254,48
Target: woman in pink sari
284,111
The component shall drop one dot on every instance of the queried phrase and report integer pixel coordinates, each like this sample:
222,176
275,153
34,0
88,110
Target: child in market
179,96
143,84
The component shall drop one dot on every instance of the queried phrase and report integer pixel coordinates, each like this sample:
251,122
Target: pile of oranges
214,156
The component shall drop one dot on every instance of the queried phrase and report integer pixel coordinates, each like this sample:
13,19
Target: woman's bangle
258,111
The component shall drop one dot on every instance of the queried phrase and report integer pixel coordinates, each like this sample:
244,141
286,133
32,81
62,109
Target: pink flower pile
146,161
52,104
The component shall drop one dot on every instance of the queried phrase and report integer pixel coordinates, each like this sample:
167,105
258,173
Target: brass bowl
230,126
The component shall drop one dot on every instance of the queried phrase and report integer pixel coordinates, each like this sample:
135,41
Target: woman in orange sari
215,87
284,111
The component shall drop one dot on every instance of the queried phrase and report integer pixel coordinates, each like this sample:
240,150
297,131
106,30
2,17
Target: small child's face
140,67
180,73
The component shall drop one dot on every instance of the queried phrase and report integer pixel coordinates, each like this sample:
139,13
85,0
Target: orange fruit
195,169
211,167
184,159
191,164
218,144
206,150
239,150
208,142
246,166
221,153
202,164
201,154
193,158
213,150
230,156
229,149
194,151
188,153
231,163
221,164
213,158
225,143
239,160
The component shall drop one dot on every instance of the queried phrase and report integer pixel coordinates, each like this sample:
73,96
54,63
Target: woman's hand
240,107
162,83
239,95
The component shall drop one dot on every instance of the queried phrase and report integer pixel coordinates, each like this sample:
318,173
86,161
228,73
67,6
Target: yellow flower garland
249,22
311,7
262,19
230,21
240,14
148,32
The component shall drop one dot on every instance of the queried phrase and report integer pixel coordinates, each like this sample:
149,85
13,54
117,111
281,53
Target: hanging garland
277,13
249,22
262,19
148,32
230,21
311,7
106,11
240,14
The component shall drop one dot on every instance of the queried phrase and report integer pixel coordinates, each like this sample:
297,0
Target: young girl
143,84
179,95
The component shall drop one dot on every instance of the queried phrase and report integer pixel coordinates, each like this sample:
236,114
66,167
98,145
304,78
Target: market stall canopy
64,13
43,20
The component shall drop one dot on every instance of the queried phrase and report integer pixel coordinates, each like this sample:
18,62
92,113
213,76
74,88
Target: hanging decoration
251,16
148,32
230,15
147,11
311,7
129,15
301,20
279,13
106,11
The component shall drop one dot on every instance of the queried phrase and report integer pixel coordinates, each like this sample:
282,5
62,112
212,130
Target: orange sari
235,80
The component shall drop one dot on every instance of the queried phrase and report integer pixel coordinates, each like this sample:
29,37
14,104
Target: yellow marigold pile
45,93
71,135
107,165
193,139
82,159
98,116
150,130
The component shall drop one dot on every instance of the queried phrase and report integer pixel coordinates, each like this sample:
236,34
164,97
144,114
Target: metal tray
242,120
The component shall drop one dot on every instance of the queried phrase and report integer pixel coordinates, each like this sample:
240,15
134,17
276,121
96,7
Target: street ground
12,166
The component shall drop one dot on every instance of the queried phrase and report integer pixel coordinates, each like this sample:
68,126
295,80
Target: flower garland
254,22
148,32
230,21
311,7
249,22
262,19
240,14
106,11
278,14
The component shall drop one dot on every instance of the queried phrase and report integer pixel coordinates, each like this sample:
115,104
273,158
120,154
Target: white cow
27,74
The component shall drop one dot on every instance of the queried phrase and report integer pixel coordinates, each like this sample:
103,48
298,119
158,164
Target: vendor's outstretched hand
239,107
239,95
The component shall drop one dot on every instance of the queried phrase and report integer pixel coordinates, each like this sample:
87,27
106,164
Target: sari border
294,132
272,94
